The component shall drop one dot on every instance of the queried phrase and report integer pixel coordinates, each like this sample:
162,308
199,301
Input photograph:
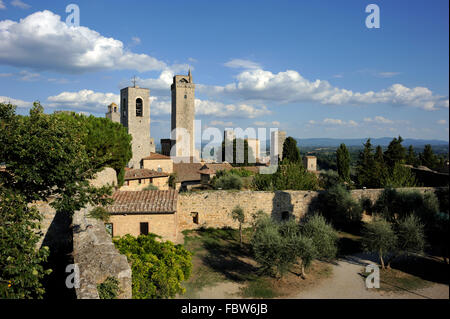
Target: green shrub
158,268
99,213
230,181
322,234
339,208
328,179
151,187
410,234
109,289
21,270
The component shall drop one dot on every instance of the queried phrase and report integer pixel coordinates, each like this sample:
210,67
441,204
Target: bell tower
135,116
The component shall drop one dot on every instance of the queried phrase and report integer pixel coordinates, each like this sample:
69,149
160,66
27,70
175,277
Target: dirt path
346,283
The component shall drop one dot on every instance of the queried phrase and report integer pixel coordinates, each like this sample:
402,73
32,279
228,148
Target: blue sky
311,68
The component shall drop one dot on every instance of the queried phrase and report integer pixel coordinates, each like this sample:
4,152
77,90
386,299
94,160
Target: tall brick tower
135,116
183,114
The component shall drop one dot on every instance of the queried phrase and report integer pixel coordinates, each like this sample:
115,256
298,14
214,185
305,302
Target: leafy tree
21,267
291,152
411,236
268,246
339,208
343,163
238,214
380,170
395,152
158,267
328,179
49,155
379,237
228,181
428,158
364,170
322,234
411,157
289,176
401,176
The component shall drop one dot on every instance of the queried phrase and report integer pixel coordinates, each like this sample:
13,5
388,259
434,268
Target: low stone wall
214,207
97,258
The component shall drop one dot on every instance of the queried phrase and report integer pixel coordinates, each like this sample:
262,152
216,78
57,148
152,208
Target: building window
159,169
124,107
185,96
115,108
194,217
139,181
138,107
284,215
109,229
144,228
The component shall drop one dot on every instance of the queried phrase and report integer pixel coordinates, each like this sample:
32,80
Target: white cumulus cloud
20,4
18,103
290,86
244,64
42,41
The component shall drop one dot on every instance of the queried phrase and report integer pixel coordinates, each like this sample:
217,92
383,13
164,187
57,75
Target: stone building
139,179
310,163
158,162
253,144
113,113
277,139
135,116
140,213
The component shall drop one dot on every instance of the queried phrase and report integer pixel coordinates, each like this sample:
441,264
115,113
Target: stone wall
214,207
97,258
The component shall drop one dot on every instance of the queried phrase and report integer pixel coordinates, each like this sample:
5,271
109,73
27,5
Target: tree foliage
289,176
56,155
277,246
109,289
20,262
291,152
343,163
158,268
339,208
238,214
379,237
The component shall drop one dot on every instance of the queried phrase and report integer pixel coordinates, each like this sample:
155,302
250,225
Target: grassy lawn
218,258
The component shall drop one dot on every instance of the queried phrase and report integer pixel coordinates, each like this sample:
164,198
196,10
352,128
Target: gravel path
346,283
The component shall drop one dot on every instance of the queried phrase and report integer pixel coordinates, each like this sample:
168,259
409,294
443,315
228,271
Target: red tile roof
142,173
144,202
157,156
187,172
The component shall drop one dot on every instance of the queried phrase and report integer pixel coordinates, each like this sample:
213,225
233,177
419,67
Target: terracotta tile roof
143,173
152,201
157,156
187,172
212,168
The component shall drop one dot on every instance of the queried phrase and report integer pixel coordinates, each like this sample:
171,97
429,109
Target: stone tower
113,113
183,114
277,139
135,116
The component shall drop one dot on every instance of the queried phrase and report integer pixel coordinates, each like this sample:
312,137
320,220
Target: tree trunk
240,234
381,259
302,273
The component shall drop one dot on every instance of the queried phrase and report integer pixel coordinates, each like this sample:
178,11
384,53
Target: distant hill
383,141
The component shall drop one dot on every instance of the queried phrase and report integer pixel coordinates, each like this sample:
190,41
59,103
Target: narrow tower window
138,107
